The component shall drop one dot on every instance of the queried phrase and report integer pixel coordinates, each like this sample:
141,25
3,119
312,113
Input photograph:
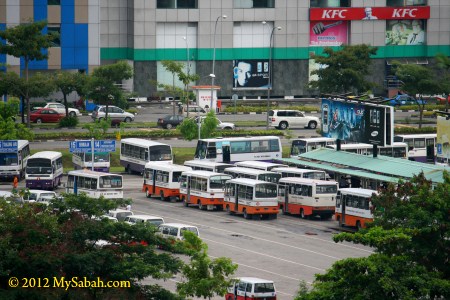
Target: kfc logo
333,13
404,12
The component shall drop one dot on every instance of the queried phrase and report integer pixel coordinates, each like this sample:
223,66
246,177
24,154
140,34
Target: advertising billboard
443,140
405,32
251,74
328,33
369,13
357,122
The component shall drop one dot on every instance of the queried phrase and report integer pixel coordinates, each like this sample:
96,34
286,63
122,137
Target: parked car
194,110
221,125
170,121
120,214
405,99
153,220
40,196
45,115
175,230
61,109
283,119
116,114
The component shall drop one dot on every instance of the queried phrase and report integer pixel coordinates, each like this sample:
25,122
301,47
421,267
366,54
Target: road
286,250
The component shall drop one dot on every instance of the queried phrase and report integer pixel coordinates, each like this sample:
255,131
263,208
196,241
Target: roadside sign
8,146
86,146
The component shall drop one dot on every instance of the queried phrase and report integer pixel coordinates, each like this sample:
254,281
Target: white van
194,110
175,230
252,288
153,220
120,214
40,196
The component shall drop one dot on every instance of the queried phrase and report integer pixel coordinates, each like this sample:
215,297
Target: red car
45,115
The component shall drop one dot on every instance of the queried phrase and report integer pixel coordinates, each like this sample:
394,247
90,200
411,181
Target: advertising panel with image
356,122
443,141
251,74
328,33
405,32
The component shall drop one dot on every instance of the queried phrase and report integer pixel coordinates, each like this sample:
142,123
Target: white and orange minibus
162,179
253,198
203,188
307,197
353,207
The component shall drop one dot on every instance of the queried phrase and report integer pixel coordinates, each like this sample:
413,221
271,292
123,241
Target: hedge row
149,134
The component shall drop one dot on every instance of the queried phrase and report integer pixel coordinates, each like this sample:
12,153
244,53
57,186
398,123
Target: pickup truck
61,109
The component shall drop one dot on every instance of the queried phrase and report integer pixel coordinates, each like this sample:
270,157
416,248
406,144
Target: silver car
114,114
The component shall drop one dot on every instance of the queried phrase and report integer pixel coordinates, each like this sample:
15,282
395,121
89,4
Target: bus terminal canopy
390,168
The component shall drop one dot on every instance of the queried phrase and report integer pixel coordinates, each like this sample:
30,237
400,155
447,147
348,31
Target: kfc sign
369,13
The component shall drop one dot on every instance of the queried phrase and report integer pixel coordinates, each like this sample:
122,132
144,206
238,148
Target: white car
39,196
283,119
116,114
221,125
61,109
153,220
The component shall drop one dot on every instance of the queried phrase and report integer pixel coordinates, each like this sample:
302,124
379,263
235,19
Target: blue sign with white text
86,146
8,146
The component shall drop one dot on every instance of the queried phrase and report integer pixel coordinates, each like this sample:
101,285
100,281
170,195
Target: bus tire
302,214
128,169
147,193
227,208
340,222
246,215
185,201
161,196
201,206
219,207
358,225
273,217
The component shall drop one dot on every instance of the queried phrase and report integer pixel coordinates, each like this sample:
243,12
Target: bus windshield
111,181
218,182
8,159
98,157
39,166
160,152
265,191
264,288
326,189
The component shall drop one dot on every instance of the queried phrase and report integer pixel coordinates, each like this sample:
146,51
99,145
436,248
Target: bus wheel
185,201
246,215
273,216
358,225
201,206
302,214
128,169
147,193
219,207
161,195
340,222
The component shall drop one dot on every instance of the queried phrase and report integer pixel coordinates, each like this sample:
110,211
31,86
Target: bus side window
249,288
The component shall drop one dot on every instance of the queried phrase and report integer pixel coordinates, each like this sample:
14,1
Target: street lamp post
269,86
214,60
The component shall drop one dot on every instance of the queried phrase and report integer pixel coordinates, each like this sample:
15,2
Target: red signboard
369,13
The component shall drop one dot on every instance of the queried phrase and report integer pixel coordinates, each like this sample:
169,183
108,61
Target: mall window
406,2
55,29
254,3
330,3
176,4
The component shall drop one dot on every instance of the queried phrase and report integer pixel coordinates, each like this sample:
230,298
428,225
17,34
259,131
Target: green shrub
132,110
70,122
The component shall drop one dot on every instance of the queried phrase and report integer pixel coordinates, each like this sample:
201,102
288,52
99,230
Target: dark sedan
170,121
45,115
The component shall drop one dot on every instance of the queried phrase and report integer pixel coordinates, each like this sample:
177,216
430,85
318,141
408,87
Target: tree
61,242
68,82
189,127
443,63
410,234
9,129
28,42
345,69
417,80
103,88
205,277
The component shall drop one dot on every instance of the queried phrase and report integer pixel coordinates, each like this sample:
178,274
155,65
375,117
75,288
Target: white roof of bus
358,191
90,173
202,173
294,170
242,138
366,146
166,166
254,280
421,135
142,142
256,164
46,154
317,139
206,163
248,181
305,180
248,170
21,143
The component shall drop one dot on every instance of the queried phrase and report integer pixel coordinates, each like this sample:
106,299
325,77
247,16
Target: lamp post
212,75
269,86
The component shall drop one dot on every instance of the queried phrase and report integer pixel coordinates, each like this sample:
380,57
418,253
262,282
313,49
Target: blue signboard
8,146
86,146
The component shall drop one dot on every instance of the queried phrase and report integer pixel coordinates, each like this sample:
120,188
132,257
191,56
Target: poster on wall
328,33
443,140
356,122
405,32
251,74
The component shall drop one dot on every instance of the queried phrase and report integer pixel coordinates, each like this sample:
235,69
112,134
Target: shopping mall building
249,45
